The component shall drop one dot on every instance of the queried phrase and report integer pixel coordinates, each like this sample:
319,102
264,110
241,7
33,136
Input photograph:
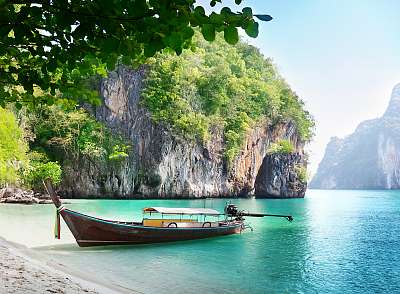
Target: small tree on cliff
48,48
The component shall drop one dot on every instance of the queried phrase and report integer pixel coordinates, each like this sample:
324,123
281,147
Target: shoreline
24,270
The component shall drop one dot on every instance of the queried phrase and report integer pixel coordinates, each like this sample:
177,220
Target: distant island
367,159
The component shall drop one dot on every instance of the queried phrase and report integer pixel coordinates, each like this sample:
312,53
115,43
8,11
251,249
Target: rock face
162,164
17,195
367,159
278,176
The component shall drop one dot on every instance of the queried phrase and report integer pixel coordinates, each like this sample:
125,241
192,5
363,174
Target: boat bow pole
49,188
57,202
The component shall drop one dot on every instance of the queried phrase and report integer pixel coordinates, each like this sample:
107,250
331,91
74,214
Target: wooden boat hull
91,231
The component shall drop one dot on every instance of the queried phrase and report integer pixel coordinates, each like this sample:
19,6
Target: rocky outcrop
84,177
368,158
162,164
17,195
279,176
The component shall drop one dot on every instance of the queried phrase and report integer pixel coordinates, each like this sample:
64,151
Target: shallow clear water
339,242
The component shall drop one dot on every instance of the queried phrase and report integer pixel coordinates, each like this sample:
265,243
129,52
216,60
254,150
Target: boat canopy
174,210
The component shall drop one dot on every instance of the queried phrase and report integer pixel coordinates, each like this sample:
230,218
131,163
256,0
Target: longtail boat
171,224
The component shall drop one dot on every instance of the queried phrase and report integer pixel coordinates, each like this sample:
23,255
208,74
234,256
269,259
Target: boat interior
181,217
174,219
179,223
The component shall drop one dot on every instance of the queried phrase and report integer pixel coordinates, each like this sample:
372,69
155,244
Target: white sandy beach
21,273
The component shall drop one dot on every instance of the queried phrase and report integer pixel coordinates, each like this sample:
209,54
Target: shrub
301,172
281,147
119,152
39,171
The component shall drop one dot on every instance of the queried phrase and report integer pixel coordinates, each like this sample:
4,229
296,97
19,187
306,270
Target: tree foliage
221,87
49,48
13,148
46,137
39,170
61,133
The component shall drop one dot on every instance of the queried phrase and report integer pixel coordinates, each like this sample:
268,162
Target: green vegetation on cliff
46,138
221,86
281,147
301,172
62,133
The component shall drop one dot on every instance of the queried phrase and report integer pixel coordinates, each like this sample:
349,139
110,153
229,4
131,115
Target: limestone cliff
162,164
368,158
278,176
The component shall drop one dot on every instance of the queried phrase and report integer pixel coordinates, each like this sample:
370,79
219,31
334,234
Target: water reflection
340,241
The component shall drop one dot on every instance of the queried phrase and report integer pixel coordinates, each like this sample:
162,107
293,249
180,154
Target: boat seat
163,222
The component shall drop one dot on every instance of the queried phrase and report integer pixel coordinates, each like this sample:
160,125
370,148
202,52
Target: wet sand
22,272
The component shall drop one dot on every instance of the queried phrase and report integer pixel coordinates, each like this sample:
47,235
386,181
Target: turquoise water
339,242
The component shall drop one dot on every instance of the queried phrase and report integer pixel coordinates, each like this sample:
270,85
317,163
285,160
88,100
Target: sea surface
339,242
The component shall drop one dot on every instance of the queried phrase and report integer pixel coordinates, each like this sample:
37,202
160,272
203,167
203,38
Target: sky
342,57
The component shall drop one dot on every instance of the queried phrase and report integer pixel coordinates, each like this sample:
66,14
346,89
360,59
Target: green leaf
151,48
226,11
252,29
231,35
178,51
106,38
263,17
247,11
187,33
216,18
208,31
174,40
200,10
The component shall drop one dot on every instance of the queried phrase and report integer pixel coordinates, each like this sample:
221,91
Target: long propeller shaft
288,217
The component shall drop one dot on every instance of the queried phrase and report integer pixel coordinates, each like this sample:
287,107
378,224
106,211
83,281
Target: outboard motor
231,210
